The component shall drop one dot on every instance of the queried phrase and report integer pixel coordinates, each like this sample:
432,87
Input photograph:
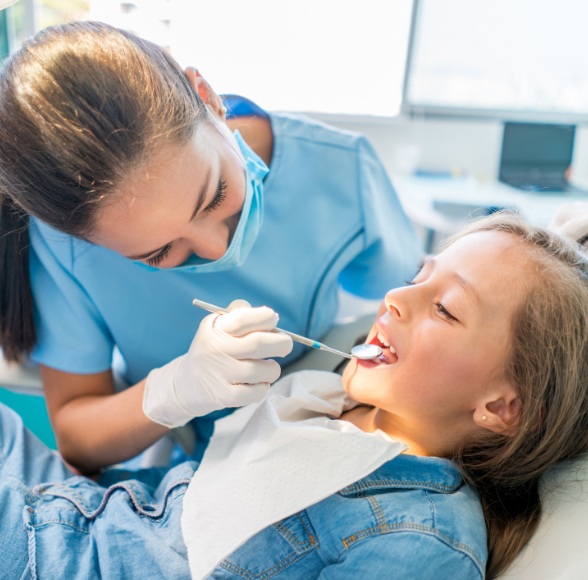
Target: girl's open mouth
388,356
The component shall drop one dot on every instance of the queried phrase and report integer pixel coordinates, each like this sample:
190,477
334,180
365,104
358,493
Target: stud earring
484,418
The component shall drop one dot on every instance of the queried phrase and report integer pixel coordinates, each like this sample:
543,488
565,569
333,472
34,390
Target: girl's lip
367,363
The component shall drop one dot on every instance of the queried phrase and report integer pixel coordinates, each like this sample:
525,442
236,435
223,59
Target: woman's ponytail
17,327
82,106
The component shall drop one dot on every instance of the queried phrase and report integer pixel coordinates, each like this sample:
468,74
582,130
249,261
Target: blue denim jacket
411,518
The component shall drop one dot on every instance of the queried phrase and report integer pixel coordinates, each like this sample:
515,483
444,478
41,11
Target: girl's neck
370,419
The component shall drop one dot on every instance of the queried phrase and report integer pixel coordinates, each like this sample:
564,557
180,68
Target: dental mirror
366,351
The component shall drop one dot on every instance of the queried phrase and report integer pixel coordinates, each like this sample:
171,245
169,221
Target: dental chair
558,550
21,390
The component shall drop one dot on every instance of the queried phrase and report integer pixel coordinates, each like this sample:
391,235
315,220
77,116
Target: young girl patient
483,378
428,459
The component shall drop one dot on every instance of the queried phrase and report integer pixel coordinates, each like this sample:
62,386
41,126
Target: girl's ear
500,412
208,96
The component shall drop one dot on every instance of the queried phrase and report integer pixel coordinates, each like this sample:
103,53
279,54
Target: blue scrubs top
331,217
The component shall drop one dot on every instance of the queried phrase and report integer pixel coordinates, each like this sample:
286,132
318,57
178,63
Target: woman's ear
500,412
204,90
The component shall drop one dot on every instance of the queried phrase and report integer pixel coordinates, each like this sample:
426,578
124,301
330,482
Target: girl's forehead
476,246
498,265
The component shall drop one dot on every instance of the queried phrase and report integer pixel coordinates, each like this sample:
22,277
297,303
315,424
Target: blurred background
431,83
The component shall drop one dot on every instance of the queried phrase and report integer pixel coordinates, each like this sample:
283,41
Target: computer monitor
536,156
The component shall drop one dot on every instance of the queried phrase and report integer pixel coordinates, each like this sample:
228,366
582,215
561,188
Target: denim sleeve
406,555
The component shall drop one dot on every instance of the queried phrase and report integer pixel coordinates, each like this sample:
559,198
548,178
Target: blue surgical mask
249,222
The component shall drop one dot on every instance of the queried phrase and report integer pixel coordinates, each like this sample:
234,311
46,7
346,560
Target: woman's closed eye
218,198
160,256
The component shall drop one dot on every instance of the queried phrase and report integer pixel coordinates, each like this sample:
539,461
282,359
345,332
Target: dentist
128,189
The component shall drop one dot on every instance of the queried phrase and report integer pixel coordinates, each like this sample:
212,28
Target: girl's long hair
81,106
548,367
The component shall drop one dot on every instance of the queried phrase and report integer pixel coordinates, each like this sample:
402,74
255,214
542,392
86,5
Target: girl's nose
392,303
404,302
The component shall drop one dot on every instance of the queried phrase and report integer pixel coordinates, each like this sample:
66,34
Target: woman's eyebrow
147,254
199,203
202,195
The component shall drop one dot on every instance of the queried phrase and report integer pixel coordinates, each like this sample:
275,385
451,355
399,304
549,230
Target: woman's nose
209,245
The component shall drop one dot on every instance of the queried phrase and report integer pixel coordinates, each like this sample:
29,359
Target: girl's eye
444,312
219,196
160,257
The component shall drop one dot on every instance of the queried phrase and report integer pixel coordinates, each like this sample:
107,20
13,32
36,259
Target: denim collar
410,472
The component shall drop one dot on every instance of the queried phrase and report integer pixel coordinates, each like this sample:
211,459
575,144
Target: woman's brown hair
81,106
548,367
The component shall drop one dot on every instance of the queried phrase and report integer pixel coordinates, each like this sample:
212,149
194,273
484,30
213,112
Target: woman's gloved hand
224,366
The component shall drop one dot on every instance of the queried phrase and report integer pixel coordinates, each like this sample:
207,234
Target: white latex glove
224,366
571,219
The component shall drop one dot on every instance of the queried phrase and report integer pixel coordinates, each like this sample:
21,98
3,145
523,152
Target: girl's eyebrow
469,289
465,284
197,207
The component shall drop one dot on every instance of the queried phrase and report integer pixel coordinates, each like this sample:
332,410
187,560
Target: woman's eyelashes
219,196
217,200
160,256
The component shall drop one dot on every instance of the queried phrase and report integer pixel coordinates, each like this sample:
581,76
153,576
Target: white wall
448,145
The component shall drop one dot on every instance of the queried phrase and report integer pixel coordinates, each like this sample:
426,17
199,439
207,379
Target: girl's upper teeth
385,342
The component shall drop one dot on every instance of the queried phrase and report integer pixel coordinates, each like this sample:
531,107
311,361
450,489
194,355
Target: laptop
537,156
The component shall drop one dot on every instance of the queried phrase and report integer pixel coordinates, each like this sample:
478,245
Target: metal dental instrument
361,351
366,351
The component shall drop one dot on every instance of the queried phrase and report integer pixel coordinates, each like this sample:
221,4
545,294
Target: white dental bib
268,461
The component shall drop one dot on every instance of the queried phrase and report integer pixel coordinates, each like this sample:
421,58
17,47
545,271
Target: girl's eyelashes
440,308
159,257
219,196
444,312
